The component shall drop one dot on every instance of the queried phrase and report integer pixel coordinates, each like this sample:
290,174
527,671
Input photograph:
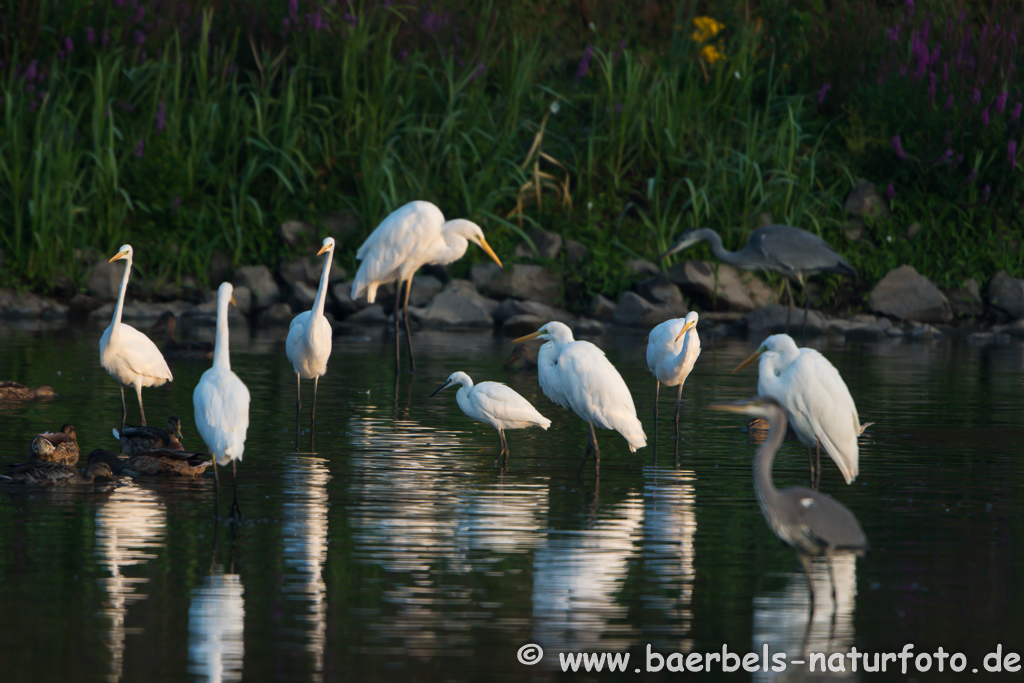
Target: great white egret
128,355
180,350
141,439
672,349
309,344
793,252
221,402
811,523
815,398
60,447
413,235
496,405
43,473
577,375
15,391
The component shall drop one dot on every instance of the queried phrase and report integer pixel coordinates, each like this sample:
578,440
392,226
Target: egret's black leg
806,562
236,513
586,454
398,344
810,461
504,449
679,398
216,488
405,317
298,408
142,412
312,418
597,452
832,581
124,408
817,465
657,390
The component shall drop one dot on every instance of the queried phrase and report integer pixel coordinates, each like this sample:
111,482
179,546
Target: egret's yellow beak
233,301
529,337
686,328
754,356
118,255
729,407
323,249
490,252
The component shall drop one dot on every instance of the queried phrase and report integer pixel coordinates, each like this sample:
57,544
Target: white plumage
672,349
816,400
495,404
309,342
127,354
577,375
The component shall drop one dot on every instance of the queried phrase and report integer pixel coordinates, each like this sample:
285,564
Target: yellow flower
711,54
707,29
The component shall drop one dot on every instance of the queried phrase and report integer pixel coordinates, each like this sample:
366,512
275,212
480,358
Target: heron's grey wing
828,522
793,251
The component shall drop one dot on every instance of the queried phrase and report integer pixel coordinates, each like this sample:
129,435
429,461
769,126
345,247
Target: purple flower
177,203
949,102
106,37
139,148
1016,110
315,20
972,175
947,156
160,116
824,90
403,55
949,137
293,9
910,8
90,35
584,65
975,96
479,71
898,147
986,193
1011,153
1001,101
139,36
68,46
890,192
892,33
140,15
30,72
984,116
931,85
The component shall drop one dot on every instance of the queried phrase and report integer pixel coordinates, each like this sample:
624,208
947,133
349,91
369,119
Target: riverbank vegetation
193,127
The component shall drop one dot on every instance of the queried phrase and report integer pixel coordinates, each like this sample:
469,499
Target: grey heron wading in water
792,252
811,523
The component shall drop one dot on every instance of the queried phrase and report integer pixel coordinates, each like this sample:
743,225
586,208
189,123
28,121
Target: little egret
60,447
413,235
181,350
309,345
783,249
128,355
807,521
496,405
221,402
577,375
141,439
672,349
815,398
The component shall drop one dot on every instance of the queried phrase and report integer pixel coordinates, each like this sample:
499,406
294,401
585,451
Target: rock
302,296
368,315
260,282
296,233
308,269
1014,329
912,230
585,327
424,288
29,305
83,304
659,290
458,306
575,252
635,311
218,269
732,288
343,305
864,200
140,312
924,332
1006,295
523,323
873,331
276,314
206,312
838,326
642,267
548,245
906,295
509,308
243,300
104,280
601,308
772,320
966,301
988,339
481,274
524,281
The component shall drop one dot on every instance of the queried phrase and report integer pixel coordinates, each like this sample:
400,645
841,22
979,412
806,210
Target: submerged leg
216,488
657,390
124,408
597,452
142,412
586,453
817,465
679,398
298,407
312,418
832,581
405,318
236,513
806,562
398,348
810,461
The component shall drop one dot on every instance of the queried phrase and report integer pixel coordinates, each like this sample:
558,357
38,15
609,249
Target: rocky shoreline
523,296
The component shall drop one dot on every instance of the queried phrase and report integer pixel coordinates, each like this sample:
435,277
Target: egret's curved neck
454,245
765,457
321,292
116,321
221,356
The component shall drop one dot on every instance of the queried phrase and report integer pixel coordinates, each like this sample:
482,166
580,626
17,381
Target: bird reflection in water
130,526
305,547
216,621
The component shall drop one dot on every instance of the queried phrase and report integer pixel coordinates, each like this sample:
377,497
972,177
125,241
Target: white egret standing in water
221,402
413,235
496,405
128,355
816,401
309,345
577,375
672,349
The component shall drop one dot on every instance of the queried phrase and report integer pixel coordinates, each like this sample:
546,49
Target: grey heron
811,523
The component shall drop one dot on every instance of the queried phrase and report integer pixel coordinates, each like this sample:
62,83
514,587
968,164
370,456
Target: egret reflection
130,526
216,620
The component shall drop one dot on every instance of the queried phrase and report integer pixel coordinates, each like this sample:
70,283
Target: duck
181,350
59,447
48,473
15,391
167,462
135,440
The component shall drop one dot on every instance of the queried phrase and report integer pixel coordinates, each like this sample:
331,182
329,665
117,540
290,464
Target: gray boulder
260,282
585,327
510,308
458,306
243,300
548,244
659,290
721,285
635,311
482,274
29,305
342,302
873,331
526,281
369,315
642,267
864,200
302,296
276,315
206,312
218,269
966,301
308,269
772,320
1006,295
523,323
575,252
105,280
296,233
424,288
601,308
140,312
906,295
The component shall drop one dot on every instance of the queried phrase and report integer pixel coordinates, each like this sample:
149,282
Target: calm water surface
398,550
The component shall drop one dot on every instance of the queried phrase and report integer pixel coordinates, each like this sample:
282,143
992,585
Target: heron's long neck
321,292
765,457
116,321
716,245
454,246
221,356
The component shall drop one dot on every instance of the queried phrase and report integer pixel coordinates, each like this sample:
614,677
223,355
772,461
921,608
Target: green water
398,550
